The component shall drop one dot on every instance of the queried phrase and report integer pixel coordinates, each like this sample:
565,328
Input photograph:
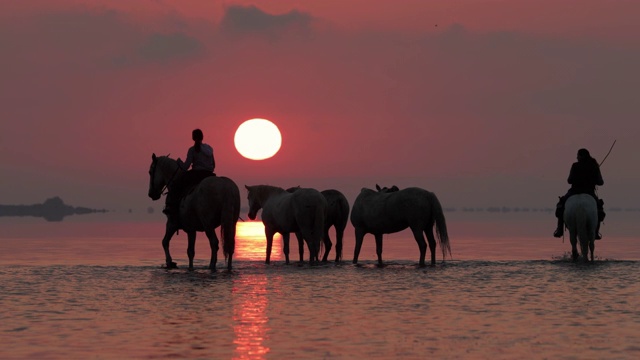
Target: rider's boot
598,235
560,229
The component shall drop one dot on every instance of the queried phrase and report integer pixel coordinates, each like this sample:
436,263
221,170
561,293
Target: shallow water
480,309
69,295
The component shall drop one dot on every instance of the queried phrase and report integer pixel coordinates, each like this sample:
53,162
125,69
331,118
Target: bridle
152,171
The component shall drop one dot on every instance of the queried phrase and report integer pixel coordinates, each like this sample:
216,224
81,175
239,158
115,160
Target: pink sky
487,108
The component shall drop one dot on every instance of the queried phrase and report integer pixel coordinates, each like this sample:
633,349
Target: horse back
278,213
213,199
391,212
337,208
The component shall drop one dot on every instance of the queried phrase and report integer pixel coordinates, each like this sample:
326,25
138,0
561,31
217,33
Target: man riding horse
200,159
584,176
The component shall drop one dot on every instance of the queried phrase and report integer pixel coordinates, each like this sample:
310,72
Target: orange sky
487,108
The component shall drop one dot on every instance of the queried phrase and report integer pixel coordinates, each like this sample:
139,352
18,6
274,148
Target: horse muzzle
154,196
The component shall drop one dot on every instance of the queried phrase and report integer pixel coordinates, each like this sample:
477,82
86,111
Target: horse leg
356,251
574,245
214,244
169,231
339,236
327,245
422,245
313,243
191,247
592,245
285,241
584,248
269,233
300,245
379,248
432,245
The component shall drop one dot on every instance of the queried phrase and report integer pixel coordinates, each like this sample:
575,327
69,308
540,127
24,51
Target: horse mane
263,191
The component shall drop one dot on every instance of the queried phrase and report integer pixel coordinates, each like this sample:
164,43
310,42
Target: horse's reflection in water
391,210
284,213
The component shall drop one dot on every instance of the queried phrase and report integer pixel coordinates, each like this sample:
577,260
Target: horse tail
342,218
441,227
318,227
229,218
585,228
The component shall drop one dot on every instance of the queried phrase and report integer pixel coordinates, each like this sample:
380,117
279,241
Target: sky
483,102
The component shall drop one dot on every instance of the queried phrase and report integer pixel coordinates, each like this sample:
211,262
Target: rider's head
583,154
197,135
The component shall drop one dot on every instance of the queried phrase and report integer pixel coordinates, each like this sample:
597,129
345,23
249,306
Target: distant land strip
53,209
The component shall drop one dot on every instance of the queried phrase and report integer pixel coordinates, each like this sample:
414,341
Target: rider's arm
599,180
187,163
572,174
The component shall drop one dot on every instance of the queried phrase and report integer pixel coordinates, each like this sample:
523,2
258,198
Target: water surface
98,291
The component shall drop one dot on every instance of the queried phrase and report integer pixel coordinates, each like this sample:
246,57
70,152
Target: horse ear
247,187
378,187
153,156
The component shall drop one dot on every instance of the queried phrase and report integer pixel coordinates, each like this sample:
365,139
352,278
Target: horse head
254,202
161,173
155,189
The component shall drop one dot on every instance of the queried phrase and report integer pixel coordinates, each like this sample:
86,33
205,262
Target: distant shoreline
52,209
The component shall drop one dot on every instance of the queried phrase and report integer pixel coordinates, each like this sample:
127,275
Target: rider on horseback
200,159
584,177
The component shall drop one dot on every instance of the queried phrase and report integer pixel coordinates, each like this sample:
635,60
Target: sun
257,139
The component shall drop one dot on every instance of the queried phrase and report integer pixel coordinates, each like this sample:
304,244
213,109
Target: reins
170,179
155,166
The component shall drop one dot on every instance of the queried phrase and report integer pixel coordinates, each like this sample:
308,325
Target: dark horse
392,210
337,216
215,202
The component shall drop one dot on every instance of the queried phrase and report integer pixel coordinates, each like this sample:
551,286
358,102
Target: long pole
606,156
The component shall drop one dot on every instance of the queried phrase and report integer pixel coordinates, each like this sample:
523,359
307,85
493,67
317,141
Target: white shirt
202,160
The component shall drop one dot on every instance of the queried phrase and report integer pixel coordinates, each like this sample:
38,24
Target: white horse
214,202
581,219
283,212
337,216
392,210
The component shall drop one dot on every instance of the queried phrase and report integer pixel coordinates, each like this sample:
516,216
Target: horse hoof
171,265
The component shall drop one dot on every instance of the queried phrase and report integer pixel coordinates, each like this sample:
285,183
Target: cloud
245,20
166,47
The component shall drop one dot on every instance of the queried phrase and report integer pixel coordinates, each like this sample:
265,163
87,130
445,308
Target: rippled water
96,297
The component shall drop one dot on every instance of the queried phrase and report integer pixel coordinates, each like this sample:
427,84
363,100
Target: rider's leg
559,232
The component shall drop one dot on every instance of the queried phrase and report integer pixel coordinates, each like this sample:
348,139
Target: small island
53,209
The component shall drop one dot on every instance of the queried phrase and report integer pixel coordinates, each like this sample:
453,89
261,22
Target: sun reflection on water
250,321
251,243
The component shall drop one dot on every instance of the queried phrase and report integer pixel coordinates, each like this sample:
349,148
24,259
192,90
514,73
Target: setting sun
257,139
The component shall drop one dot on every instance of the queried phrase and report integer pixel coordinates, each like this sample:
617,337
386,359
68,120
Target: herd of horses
309,214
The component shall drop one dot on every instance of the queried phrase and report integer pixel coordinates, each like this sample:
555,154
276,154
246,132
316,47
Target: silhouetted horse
337,216
388,211
214,202
283,212
581,219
